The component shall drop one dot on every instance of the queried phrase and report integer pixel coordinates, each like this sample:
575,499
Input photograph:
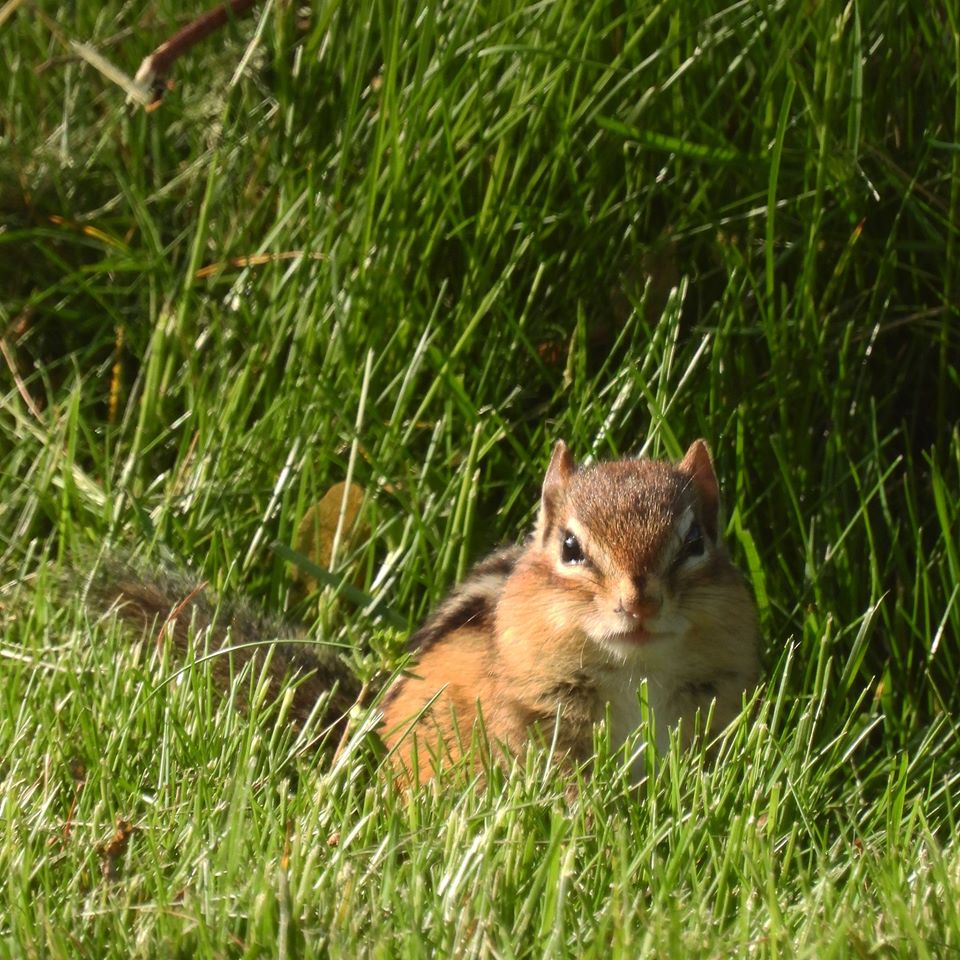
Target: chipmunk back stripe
472,604
469,607
501,563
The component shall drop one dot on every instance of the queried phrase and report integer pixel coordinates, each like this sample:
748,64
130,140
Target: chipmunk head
633,546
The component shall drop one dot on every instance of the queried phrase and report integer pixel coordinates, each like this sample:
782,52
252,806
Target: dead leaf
318,529
112,852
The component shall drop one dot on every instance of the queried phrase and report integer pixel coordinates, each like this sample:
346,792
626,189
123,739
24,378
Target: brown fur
178,606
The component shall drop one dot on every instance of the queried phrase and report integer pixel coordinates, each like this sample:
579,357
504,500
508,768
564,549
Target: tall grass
412,245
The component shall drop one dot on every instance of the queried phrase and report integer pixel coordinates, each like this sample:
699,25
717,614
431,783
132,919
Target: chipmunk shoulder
624,579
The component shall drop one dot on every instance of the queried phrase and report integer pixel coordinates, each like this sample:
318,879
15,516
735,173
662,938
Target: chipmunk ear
697,465
558,474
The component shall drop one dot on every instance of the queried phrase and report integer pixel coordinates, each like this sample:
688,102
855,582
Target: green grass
623,225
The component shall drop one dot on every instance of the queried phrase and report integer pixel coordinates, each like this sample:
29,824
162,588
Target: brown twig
154,68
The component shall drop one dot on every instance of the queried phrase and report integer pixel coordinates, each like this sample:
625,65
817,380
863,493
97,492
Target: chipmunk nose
639,607
640,598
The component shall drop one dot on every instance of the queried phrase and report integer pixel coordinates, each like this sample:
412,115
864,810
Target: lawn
409,246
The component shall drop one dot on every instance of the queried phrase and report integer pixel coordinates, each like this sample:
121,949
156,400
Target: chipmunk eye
692,543
571,551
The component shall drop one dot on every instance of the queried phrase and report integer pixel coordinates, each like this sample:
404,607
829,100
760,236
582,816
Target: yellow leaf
318,529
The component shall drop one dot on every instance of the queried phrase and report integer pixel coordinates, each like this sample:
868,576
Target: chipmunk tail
177,605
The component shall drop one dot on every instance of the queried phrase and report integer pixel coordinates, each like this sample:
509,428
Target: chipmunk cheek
568,608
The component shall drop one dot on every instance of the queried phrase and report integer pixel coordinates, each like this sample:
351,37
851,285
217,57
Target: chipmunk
624,579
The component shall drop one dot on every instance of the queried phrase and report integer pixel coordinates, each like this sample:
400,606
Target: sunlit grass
412,247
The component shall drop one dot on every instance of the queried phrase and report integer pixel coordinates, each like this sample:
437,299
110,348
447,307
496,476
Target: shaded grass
481,228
